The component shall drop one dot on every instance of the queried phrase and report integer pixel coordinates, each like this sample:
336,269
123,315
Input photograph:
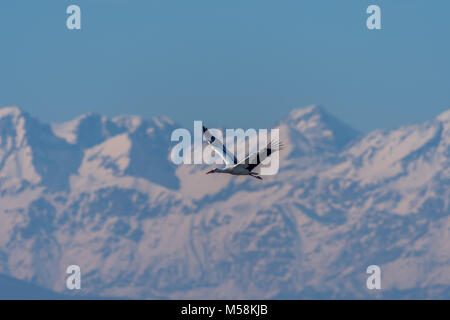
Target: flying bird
246,165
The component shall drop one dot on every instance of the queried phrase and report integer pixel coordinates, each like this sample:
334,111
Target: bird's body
244,167
234,170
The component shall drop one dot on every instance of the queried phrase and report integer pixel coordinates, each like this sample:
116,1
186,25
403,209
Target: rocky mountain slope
103,194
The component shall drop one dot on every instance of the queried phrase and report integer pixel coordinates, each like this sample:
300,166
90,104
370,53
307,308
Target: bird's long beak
212,171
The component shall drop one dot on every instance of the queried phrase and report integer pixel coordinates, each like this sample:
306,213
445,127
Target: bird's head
212,171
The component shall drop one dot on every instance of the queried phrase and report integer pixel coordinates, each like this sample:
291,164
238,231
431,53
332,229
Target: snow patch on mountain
131,123
108,158
444,116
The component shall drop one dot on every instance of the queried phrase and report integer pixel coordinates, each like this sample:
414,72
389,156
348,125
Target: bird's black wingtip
204,129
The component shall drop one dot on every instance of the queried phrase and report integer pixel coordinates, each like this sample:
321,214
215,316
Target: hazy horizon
149,117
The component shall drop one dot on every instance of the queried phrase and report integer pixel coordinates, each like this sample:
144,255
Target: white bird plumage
246,165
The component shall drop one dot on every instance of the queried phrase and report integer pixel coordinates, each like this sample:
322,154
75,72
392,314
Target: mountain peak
162,121
302,112
10,111
319,127
444,116
130,122
86,130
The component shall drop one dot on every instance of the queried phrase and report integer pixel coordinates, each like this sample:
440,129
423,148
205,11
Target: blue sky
230,63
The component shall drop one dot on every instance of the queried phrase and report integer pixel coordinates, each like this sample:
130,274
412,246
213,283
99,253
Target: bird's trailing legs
254,175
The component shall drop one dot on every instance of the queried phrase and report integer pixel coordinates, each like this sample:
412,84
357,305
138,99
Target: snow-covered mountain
102,193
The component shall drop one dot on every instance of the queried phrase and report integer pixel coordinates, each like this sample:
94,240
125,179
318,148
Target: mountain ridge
141,227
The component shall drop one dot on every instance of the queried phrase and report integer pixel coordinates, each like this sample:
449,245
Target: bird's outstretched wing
219,147
253,160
